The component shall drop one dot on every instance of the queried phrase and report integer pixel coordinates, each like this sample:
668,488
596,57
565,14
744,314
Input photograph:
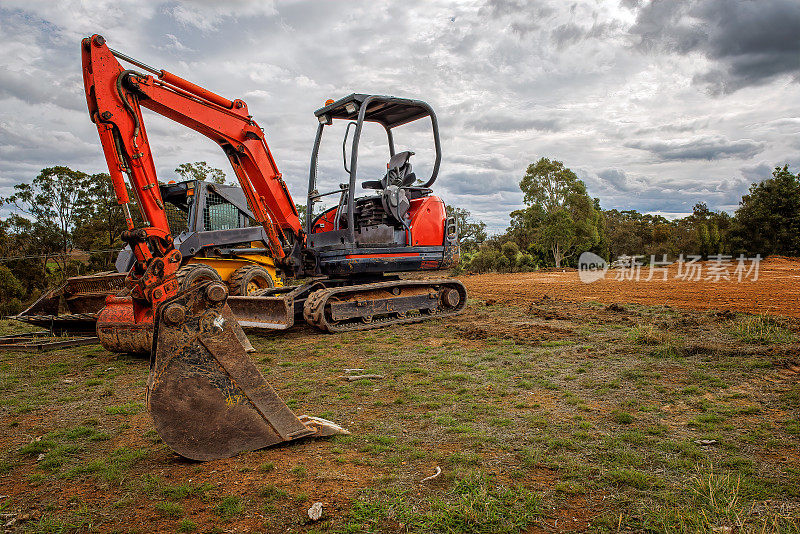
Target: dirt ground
549,405
776,290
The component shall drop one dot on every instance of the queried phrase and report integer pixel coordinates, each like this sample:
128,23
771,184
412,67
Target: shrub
11,291
526,261
510,250
484,260
503,264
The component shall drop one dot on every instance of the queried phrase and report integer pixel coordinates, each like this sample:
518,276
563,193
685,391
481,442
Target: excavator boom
115,97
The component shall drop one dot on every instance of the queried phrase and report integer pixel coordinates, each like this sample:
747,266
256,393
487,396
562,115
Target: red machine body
426,215
206,397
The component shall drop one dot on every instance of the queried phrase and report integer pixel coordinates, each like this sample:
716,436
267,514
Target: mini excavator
207,398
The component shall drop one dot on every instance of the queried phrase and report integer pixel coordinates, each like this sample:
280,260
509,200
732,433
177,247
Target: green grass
707,421
79,520
569,487
475,503
272,492
648,335
125,409
709,502
266,467
84,432
59,448
299,471
666,351
634,478
6,466
229,507
523,430
184,491
763,329
464,458
187,525
169,509
111,469
621,418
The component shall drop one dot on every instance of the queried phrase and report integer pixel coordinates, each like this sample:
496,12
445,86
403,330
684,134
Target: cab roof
389,111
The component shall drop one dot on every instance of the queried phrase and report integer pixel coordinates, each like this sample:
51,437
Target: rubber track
314,309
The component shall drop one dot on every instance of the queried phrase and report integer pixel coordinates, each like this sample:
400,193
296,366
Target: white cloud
177,44
206,15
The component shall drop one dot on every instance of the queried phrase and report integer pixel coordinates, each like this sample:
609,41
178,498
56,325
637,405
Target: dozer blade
266,313
207,399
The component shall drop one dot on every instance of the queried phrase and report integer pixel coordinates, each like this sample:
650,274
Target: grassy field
548,417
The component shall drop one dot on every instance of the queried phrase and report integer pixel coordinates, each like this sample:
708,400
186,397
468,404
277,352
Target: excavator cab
399,225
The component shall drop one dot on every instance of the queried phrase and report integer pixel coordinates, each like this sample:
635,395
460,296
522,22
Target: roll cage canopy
388,111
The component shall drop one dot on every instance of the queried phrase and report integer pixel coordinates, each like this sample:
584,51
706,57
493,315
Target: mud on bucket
207,398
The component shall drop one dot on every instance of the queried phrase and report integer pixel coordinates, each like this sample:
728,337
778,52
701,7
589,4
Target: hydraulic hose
127,104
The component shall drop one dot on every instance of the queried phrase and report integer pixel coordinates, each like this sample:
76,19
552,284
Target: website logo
591,267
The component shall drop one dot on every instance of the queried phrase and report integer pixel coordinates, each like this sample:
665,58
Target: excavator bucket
207,398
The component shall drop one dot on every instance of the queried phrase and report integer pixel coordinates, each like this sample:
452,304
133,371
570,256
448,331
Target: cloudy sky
655,105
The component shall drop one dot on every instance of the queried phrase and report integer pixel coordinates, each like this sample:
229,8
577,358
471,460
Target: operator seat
399,175
399,172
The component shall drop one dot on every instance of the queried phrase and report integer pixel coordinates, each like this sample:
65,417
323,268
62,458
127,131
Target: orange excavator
206,397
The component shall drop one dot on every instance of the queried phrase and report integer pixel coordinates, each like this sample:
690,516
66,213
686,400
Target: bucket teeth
207,398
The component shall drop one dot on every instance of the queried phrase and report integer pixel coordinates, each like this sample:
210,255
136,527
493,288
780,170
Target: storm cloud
617,179
702,148
749,42
656,105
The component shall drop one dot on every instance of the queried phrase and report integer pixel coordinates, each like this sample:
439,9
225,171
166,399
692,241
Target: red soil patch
776,291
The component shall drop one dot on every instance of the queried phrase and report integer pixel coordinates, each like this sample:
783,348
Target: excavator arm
206,397
115,97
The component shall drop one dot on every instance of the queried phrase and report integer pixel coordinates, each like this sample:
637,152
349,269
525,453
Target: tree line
561,220
63,210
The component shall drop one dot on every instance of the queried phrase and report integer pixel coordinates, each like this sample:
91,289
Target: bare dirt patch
776,291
